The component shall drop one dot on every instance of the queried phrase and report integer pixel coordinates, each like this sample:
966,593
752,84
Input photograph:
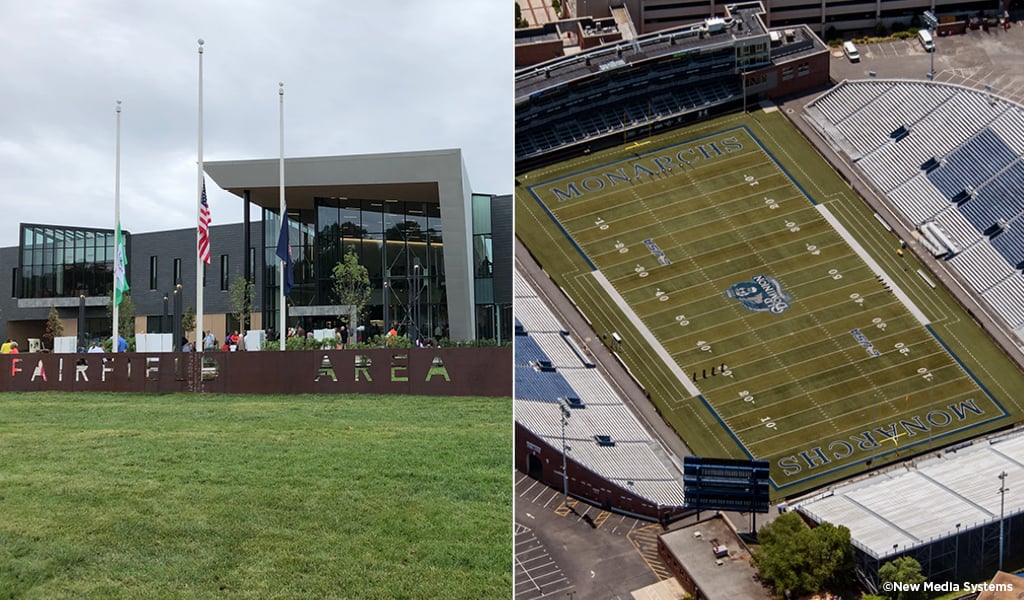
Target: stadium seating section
959,164
632,462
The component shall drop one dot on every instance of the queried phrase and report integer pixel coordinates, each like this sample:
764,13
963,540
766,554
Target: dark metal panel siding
501,240
181,243
8,304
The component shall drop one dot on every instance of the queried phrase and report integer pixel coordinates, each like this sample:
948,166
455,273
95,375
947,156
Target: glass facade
59,262
487,313
400,244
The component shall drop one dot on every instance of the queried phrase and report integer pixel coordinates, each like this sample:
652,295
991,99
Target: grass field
765,310
128,496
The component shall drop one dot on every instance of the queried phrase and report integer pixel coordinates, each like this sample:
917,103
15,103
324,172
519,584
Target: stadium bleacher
634,460
973,188
972,163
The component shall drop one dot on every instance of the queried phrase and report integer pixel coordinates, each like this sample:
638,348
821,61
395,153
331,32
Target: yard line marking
635,321
875,267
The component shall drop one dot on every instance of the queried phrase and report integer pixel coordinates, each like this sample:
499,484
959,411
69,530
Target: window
14,282
224,272
153,280
177,271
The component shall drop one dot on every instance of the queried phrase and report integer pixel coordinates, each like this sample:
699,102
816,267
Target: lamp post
81,319
956,555
417,282
932,21
565,414
387,300
1002,503
163,319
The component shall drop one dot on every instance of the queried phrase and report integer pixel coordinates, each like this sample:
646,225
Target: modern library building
439,257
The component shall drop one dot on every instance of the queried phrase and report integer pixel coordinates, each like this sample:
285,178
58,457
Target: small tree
904,569
242,295
125,315
350,282
188,323
54,326
557,7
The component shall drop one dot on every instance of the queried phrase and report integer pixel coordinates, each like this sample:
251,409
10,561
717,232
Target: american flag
204,228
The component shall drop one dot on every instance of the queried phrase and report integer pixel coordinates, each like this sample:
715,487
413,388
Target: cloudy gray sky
360,77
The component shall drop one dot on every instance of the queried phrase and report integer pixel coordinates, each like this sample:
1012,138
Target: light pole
932,21
417,282
956,555
1002,503
565,413
387,300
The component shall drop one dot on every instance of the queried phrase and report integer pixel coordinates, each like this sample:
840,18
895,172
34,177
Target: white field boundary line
875,267
642,329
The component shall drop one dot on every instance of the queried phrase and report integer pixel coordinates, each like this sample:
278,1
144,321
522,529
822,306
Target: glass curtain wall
400,244
487,313
60,262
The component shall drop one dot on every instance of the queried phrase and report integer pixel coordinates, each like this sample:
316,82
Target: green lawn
650,240
131,496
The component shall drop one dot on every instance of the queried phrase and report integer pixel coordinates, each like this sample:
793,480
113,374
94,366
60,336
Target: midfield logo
763,294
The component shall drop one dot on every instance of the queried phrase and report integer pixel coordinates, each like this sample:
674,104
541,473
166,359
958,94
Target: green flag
120,263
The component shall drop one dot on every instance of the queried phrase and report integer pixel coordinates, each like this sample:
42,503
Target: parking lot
975,59
578,550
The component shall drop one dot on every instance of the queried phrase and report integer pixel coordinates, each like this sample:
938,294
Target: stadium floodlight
565,412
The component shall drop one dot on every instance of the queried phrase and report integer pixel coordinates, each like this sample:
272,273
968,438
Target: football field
759,323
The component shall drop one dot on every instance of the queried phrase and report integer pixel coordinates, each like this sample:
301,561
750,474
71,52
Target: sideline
874,266
645,332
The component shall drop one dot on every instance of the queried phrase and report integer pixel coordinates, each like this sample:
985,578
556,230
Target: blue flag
285,254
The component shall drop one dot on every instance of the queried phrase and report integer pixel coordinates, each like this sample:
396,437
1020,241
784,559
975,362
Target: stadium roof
927,499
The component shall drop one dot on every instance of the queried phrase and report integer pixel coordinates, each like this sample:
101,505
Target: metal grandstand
944,510
950,159
656,81
633,460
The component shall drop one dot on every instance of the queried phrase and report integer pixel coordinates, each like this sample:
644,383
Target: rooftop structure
943,509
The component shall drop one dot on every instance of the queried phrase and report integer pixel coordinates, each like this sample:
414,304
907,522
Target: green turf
844,375
132,496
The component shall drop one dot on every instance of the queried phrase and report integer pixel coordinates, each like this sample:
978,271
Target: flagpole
199,207
282,317
117,224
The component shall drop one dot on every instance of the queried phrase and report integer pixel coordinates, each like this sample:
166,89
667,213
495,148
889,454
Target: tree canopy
802,560
904,569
